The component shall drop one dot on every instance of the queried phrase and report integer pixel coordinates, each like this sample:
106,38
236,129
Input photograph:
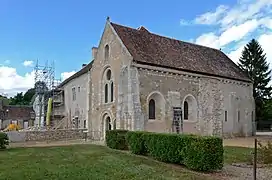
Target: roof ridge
194,57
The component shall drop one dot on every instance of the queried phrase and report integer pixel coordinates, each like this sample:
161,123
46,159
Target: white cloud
245,10
236,54
235,24
209,39
28,63
265,40
11,82
66,75
237,32
211,17
233,34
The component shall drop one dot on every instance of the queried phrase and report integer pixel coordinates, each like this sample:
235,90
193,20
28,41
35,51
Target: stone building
15,114
70,100
142,81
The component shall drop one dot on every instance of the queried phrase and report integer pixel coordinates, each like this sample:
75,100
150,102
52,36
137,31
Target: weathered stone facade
118,59
122,91
50,135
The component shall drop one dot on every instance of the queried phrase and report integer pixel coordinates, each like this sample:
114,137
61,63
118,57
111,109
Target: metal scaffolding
44,86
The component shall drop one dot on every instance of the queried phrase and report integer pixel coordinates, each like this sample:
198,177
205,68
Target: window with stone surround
226,116
108,123
106,53
73,93
238,116
106,93
155,106
151,108
186,110
189,108
108,86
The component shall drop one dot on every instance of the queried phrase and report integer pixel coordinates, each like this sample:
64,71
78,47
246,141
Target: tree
28,95
18,99
253,62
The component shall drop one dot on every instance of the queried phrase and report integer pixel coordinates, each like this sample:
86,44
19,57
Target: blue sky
65,31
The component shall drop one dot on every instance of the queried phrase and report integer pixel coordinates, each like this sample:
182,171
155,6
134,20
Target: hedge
116,139
205,153
4,140
136,143
202,153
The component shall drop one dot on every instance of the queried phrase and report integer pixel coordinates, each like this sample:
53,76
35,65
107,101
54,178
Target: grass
83,162
237,154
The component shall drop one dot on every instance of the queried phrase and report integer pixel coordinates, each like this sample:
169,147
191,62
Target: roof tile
149,48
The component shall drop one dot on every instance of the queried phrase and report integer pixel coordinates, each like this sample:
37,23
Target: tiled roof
77,74
15,112
152,49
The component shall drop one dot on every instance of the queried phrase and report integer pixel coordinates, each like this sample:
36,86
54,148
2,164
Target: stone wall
118,58
51,135
212,96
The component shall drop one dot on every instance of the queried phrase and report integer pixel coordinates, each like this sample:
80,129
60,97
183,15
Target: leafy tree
253,62
18,99
28,95
27,98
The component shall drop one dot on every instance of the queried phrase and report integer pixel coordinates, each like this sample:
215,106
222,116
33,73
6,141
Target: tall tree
18,99
253,62
28,95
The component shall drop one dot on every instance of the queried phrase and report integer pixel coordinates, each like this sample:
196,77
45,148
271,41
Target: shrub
204,153
136,142
165,147
264,153
116,139
4,141
195,152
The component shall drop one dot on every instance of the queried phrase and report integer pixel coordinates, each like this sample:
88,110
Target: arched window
186,110
108,123
106,93
108,75
109,86
106,51
151,109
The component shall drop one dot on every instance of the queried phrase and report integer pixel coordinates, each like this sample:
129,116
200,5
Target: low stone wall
46,135
55,135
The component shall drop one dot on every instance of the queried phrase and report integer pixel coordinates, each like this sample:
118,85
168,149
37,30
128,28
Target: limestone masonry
138,80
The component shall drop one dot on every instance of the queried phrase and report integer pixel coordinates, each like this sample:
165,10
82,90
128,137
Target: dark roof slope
17,112
77,74
149,48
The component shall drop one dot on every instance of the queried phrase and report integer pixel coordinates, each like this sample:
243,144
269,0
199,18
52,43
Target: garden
132,155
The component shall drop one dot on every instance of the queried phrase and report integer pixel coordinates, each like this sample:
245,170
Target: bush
4,140
195,152
136,143
204,153
264,153
116,139
165,147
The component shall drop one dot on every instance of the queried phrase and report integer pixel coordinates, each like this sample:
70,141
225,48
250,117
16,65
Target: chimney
83,65
94,51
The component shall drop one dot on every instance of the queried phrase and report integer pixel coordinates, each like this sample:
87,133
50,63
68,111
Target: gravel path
242,173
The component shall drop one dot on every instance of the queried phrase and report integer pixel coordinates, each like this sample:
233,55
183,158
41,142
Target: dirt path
246,142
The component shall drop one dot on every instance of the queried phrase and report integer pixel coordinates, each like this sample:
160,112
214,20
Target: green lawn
93,162
84,162
237,154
